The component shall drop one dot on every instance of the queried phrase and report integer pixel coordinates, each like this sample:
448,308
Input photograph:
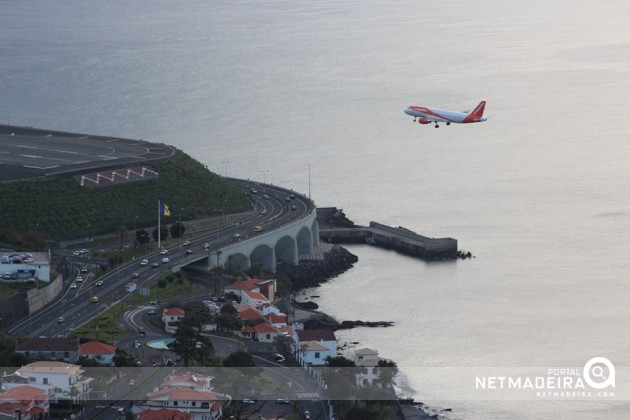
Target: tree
163,233
142,237
339,361
239,358
190,345
177,230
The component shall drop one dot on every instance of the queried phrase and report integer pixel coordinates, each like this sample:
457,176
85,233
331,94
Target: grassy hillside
59,208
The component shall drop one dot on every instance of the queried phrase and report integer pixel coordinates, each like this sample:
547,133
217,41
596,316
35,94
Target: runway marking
50,135
25,147
83,138
307,395
32,156
107,157
72,152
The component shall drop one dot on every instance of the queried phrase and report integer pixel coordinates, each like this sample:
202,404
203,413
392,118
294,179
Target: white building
62,381
367,362
312,347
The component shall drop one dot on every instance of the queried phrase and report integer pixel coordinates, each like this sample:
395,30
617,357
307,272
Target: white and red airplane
426,115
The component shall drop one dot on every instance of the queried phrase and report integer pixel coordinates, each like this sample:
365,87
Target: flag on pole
164,209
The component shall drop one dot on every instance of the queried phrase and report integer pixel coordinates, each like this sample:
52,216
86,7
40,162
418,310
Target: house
201,405
247,312
190,380
266,288
164,414
276,319
312,347
99,352
186,392
171,317
367,362
25,402
62,381
63,349
253,298
263,332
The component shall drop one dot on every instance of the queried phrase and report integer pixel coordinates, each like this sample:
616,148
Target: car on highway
185,243
61,320
307,414
155,265
258,228
248,401
95,299
152,312
189,251
144,262
73,286
84,269
79,279
266,197
132,382
293,208
134,275
165,260
164,251
98,283
263,212
282,401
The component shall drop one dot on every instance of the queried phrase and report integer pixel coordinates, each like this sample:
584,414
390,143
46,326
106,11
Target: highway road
76,305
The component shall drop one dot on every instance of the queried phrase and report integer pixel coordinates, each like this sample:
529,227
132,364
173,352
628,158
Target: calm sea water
268,89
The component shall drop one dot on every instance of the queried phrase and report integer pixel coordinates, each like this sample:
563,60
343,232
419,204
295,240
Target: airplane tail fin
477,114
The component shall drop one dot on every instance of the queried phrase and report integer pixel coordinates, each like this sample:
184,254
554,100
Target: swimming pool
160,344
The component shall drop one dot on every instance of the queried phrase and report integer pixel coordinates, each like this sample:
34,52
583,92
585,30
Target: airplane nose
408,111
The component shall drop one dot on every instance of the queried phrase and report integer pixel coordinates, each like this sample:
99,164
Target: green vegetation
59,208
108,322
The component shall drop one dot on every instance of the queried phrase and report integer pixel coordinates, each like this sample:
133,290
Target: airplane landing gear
436,125
448,123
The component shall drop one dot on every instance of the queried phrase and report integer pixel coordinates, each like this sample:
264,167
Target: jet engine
423,121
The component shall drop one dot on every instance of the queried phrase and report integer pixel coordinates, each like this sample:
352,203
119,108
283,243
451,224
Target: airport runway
27,152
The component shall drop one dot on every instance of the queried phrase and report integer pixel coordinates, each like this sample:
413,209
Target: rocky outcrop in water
312,273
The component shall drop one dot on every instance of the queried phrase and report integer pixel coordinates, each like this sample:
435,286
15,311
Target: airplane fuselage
426,115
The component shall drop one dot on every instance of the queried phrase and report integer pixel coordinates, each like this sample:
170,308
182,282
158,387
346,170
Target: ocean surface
310,95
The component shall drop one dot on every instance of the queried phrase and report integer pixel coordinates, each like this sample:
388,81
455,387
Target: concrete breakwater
336,228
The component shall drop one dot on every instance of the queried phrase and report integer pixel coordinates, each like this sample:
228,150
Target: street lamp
225,162
264,175
28,302
86,226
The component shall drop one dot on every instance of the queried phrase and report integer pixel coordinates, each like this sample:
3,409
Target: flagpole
159,230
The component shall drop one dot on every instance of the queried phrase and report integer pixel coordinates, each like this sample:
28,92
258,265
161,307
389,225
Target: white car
164,251
79,279
98,283
73,286
185,243
165,260
144,262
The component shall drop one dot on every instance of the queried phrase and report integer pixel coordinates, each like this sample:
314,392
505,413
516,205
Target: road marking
307,395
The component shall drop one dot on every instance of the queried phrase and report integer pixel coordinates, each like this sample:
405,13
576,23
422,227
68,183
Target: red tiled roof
249,313
276,318
245,285
96,347
174,312
163,414
265,328
255,295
